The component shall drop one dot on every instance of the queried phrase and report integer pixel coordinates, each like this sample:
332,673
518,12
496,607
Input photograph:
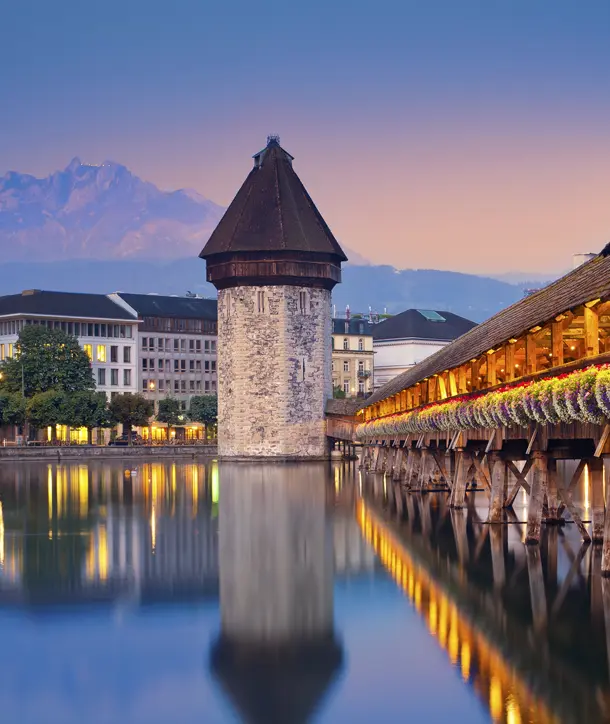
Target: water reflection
277,652
525,626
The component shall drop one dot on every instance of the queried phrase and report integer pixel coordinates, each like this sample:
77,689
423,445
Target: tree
46,409
204,409
338,393
169,412
130,409
86,409
13,411
47,359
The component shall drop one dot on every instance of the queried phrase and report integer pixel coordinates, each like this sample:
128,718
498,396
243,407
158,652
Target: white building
176,343
405,339
106,331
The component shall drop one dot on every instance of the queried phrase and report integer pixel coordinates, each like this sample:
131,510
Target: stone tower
274,262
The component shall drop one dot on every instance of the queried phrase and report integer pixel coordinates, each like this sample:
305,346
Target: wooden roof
272,212
587,282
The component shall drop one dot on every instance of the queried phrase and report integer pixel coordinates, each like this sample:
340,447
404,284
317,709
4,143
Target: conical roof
272,212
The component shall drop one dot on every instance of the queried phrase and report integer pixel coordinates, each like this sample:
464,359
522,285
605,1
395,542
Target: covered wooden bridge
501,405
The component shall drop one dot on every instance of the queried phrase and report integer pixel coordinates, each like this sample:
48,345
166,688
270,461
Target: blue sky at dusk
430,133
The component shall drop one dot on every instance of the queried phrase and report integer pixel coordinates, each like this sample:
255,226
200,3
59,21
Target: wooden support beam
481,473
552,494
537,496
490,373
565,495
602,441
453,385
496,500
440,463
591,332
509,361
398,464
460,480
530,354
442,388
596,471
521,481
557,343
461,380
532,440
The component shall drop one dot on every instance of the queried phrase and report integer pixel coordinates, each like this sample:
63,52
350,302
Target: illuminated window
346,386
101,353
88,350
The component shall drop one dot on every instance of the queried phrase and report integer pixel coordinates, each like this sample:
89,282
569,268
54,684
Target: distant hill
379,287
104,212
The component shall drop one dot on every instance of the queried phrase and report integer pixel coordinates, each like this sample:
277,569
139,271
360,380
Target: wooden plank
509,361
453,386
481,474
530,354
436,455
536,501
461,380
602,441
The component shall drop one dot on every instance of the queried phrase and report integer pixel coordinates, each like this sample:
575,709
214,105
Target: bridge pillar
497,468
460,479
596,472
416,462
398,464
537,496
391,456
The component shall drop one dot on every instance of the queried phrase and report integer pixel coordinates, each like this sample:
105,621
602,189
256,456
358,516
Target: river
284,594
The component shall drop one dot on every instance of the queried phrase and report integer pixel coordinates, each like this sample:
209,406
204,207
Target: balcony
364,374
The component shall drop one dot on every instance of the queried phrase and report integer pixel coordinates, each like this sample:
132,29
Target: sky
455,134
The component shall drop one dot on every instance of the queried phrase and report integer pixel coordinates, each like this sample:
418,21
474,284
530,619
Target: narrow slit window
260,297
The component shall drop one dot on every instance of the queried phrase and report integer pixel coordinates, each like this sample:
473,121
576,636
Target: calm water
204,593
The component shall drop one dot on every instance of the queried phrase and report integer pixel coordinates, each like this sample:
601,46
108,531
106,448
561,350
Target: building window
160,344
101,377
206,346
182,365
144,385
191,365
198,345
213,346
101,353
207,365
198,385
260,301
183,345
145,363
176,365
182,385
361,388
151,344
191,345
346,365
332,366
360,345
127,378
114,353
151,363
114,377
88,350
198,365
360,366
192,385
213,365
127,355
176,386
213,386
176,345
207,385
346,343
145,343
303,302
346,386
161,385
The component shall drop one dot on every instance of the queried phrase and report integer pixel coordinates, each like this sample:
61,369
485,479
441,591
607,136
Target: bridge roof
583,284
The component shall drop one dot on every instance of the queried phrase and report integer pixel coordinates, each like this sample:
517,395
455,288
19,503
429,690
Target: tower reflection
277,653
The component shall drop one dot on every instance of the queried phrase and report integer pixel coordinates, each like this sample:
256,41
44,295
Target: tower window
303,302
260,299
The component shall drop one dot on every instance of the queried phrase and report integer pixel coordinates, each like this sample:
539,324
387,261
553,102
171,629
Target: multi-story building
352,357
407,338
106,331
176,345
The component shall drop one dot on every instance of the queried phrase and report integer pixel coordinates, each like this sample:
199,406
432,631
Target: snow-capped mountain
100,212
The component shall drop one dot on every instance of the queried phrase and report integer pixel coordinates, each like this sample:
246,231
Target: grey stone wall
274,372
83,452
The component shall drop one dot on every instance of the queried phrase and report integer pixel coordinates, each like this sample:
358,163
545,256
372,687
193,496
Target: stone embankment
85,452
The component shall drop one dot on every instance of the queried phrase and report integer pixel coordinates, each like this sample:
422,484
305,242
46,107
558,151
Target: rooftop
354,326
62,304
272,211
422,324
155,305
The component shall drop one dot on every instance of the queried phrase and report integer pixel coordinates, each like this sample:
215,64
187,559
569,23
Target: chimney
579,259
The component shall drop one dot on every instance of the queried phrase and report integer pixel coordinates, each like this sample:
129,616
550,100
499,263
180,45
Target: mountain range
102,229
102,212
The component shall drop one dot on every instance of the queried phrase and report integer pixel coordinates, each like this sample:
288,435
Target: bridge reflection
524,629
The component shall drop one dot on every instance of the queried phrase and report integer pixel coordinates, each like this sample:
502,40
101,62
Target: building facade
352,357
107,332
176,345
404,340
274,262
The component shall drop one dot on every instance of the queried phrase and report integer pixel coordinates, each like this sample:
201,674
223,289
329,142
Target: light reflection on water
205,592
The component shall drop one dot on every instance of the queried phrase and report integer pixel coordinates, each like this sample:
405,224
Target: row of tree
49,382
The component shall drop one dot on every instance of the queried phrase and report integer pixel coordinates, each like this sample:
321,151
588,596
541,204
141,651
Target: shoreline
92,452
